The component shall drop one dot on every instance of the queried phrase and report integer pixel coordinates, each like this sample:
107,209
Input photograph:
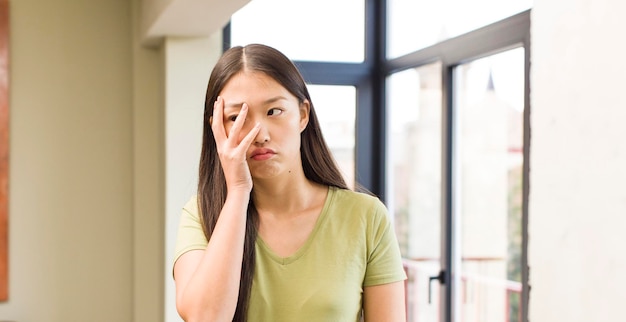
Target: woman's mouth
262,154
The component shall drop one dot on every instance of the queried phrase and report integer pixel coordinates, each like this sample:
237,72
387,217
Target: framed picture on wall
4,149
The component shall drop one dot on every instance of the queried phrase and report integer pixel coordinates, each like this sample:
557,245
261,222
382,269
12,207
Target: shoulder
191,207
357,205
357,199
190,214
190,234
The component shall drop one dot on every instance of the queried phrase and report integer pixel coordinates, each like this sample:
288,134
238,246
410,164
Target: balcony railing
483,298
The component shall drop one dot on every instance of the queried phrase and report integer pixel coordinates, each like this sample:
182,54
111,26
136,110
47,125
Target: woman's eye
232,118
274,111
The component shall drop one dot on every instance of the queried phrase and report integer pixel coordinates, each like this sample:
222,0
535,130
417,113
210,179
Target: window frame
366,78
370,145
509,33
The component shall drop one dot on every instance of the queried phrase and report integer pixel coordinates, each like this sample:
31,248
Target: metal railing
481,299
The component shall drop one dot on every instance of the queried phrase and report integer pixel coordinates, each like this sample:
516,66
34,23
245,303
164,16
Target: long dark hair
317,161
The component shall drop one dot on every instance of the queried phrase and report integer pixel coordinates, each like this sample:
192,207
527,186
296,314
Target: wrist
238,193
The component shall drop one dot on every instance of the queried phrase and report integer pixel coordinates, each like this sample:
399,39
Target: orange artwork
4,149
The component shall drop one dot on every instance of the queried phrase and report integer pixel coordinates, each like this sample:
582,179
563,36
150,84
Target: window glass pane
321,30
414,181
489,108
413,25
335,107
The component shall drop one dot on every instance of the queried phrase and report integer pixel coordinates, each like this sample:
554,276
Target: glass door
414,187
461,240
488,104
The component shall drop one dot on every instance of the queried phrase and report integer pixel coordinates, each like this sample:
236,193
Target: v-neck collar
307,244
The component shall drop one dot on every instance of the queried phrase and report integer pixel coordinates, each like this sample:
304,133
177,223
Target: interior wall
71,160
181,18
89,140
148,176
577,173
150,12
188,64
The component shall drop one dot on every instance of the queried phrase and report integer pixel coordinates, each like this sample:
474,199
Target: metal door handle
441,278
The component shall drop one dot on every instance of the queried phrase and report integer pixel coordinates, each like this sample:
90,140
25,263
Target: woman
287,240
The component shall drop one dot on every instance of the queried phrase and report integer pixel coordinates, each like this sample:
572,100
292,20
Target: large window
457,141
336,108
427,105
489,110
321,30
414,25
330,55
414,182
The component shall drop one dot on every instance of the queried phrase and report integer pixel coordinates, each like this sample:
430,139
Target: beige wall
88,204
578,157
86,231
184,18
148,174
150,12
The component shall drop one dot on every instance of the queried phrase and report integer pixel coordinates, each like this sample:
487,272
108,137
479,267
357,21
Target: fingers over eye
216,121
239,121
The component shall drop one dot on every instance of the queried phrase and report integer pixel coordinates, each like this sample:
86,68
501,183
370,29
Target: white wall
578,161
188,65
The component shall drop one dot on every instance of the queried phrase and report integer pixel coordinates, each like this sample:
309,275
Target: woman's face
275,151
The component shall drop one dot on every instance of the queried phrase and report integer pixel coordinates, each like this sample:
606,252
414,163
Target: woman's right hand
231,149
207,281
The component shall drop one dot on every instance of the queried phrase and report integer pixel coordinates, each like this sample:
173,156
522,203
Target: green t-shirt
352,246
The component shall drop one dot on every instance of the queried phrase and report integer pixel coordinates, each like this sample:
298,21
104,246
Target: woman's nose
263,136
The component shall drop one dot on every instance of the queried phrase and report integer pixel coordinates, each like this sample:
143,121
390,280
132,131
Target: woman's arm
384,303
207,281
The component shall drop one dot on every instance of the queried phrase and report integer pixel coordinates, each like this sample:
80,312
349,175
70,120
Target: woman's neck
287,197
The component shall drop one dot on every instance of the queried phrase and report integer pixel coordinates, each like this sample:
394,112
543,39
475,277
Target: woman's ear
305,109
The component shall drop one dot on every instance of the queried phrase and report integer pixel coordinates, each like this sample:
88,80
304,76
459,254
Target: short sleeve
384,262
190,235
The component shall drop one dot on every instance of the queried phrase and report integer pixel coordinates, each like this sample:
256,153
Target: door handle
441,278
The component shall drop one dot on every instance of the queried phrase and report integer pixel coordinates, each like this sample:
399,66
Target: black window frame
509,33
369,79
366,77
